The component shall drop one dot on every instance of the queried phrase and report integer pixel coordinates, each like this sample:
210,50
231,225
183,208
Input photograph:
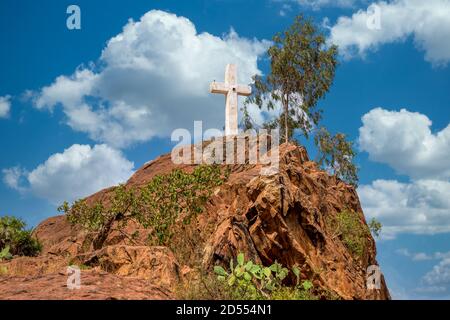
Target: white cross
231,90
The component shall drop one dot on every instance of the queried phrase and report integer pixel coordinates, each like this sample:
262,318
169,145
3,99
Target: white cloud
422,256
5,106
439,275
77,172
436,282
404,141
12,177
285,8
318,4
428,22
154,78
421,207
431,289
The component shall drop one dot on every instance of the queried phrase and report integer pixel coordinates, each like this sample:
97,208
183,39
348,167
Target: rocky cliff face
284,217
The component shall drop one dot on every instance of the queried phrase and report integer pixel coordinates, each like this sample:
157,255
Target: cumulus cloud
421,207
75,173
427,22
5,106
404,141
154,77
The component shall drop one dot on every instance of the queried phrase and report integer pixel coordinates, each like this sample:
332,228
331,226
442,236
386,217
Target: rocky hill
286,217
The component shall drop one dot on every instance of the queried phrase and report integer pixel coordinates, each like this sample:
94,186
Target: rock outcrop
283,217
94,286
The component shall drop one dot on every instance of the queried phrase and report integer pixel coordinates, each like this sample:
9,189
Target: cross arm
244,90
218,87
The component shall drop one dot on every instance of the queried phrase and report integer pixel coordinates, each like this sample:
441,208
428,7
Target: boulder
157,264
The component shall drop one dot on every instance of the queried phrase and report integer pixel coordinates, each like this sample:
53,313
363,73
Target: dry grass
28,266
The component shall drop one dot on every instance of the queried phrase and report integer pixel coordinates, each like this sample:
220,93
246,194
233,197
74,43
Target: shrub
375,227
16,240
246,280
156,206
352,231
302,292
251,281
5,254
337,155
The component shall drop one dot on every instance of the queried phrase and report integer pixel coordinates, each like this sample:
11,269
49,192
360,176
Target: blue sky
79,112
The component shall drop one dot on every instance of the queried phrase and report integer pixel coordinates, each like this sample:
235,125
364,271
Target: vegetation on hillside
16,240
354,234
246,280
251,281
375,227
155,206
336,155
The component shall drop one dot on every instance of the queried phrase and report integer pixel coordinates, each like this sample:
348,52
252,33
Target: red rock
283,217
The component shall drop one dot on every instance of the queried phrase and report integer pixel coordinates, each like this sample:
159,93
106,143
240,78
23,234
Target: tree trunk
104,231
286,108
103,234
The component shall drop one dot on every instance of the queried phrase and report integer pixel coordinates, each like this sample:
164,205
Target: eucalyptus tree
302,71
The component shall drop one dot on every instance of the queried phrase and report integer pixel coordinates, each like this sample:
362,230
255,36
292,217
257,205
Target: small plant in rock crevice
350,229
375,227
250,281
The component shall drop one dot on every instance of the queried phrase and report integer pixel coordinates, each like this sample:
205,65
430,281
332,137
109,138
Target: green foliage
16,240
352,232
375,227
302,71
157,205
5,254
336,154
302,292
251,281
89,217
177,194
99,217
